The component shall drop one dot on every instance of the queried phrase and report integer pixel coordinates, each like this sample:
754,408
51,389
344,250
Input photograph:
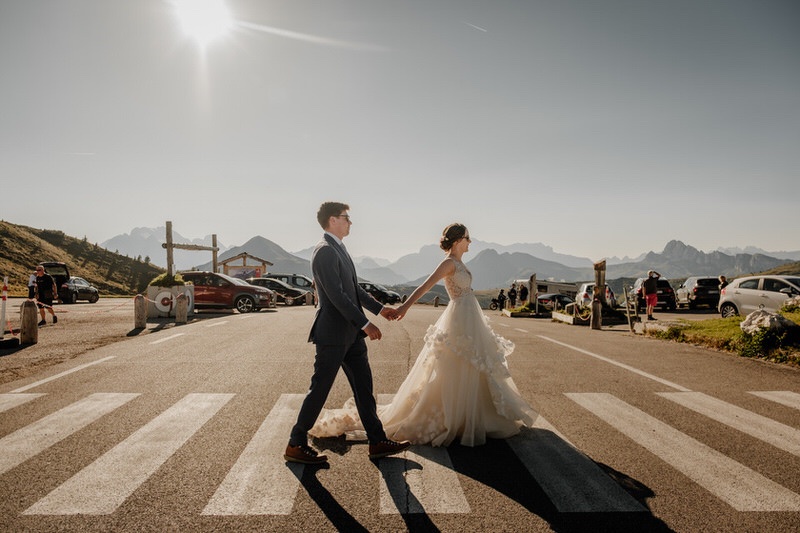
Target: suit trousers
353,360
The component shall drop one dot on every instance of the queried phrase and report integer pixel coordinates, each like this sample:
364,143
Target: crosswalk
422,480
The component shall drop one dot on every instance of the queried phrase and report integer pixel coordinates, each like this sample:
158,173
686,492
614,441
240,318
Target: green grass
726,334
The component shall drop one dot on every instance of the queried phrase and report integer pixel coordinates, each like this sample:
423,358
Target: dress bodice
460,282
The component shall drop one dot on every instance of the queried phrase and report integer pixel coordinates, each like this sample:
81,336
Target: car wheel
288,300
728,310
245,304
73,298
493,306
93,299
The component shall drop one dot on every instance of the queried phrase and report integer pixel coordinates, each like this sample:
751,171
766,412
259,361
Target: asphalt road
183,430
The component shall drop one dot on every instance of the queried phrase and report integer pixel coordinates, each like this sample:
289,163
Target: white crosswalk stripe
10,401
572,481
420,480
739,486
779,435
784,397
261,482
37,437
104,485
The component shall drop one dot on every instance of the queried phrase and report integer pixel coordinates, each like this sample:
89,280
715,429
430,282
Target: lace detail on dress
460,282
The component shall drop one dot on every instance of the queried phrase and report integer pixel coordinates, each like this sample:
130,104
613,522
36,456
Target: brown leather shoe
387,447
304,454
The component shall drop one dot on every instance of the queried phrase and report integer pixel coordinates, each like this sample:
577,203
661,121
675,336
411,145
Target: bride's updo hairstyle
451,234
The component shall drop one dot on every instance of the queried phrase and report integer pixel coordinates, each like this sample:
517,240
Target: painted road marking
522,330
62,374
159,341
37,437
10,401
784,397
742,488
262,482
214,324
617,363
765,429
103,486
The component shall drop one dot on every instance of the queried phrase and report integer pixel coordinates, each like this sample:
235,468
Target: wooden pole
169,248
214,252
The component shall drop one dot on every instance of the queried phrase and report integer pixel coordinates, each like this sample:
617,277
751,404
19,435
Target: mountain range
492,265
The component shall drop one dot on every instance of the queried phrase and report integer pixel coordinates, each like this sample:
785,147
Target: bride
460,386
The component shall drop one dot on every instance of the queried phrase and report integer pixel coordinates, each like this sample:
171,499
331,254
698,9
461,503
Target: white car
742,296
586,295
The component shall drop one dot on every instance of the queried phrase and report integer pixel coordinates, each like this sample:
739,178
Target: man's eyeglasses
346,217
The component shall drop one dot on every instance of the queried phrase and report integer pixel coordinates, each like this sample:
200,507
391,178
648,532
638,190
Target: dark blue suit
339,338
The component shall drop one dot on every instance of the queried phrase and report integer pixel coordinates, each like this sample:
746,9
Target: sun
203,20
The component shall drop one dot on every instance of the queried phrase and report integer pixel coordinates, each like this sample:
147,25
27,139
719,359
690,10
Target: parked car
698,290
284,292
60,274
380,293
666,295
298,281
586,294
214,290
553,301
742,296
79,289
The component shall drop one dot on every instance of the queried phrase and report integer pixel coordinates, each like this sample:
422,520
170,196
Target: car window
749,284
708,282
774,285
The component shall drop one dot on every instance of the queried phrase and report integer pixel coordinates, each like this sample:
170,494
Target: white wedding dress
459,387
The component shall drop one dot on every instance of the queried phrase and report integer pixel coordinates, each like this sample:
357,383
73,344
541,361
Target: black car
698,290
380,293
60,274
666,296
553,300
285,292
79,289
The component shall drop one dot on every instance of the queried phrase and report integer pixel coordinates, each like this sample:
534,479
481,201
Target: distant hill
22,247
282,260
147,243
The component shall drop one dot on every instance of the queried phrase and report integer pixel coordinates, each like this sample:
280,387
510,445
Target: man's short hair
328,210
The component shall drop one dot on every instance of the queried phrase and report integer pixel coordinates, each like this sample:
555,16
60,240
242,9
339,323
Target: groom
338,332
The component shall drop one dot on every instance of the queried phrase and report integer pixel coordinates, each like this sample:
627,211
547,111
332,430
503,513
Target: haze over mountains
492,265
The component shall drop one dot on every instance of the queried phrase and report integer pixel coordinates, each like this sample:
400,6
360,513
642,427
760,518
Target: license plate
713,292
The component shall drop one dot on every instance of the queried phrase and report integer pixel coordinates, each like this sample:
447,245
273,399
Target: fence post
139,312
597,307
28,323
436,301
181,309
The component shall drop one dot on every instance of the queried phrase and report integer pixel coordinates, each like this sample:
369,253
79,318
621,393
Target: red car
214,290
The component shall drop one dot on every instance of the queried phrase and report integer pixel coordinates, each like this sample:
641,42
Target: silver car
745,295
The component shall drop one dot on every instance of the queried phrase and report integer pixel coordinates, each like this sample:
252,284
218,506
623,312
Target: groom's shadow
322,497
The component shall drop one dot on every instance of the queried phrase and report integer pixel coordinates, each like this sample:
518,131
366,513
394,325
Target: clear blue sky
680,117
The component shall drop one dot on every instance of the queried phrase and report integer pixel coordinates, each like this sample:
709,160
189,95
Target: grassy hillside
789,269
21,248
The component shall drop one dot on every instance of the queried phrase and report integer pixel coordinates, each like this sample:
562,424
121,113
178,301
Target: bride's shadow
496,465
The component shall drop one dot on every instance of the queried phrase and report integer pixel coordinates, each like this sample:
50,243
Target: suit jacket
340,316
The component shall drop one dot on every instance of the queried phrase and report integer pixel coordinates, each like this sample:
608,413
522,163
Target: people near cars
45,291
512,296
723,282
650,292
32,286
523,294
501,300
